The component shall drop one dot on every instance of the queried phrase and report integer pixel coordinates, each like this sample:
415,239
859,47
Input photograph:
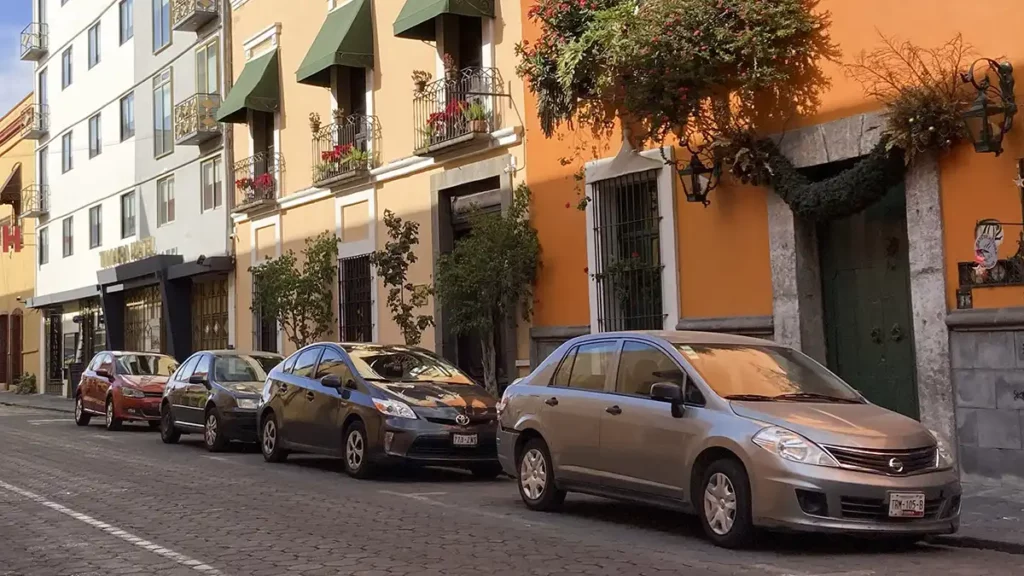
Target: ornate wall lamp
991,114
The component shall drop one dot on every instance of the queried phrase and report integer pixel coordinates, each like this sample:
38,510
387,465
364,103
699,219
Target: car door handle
283,388
310,396
613,410
551,401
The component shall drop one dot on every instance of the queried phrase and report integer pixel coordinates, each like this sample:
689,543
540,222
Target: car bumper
422,442
856,502
139,409
506,440
240,425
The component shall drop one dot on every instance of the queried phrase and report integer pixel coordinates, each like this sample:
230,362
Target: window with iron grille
264,328
628,252
355,300
210,315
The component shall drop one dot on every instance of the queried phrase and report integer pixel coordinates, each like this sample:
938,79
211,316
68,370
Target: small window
203,367
333,362
165,201
161,24
307,362
65,69
642,366
185,372
44,246
213,193
69,236
127,19
94,45
208,69
590,368
95,226
163,112
95,136
561,377
128,116
127,214
66,163
289,364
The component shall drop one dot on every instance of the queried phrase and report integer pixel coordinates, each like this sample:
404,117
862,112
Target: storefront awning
10,192
56,298
416,20
345,39
258,88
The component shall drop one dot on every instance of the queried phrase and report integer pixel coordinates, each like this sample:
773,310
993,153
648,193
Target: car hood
440,396
853,425
243,388
146,383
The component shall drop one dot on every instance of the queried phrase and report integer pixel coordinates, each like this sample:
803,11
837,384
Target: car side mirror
350,384
331,381
104,373
199,379
667,392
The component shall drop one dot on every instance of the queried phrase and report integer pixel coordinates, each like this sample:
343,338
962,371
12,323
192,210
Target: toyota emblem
896,465
463,420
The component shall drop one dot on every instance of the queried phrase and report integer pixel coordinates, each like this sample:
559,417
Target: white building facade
133,247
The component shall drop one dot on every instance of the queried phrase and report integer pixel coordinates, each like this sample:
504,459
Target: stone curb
70,410
979,543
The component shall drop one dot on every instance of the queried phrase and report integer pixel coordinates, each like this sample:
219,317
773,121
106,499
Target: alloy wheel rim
211,429
533,474
354,450
110,413
78,408
269,437
720,504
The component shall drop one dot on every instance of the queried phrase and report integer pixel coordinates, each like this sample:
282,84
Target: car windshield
243,368
765,373
146,365
401,364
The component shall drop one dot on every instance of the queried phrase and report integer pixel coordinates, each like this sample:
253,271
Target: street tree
392,265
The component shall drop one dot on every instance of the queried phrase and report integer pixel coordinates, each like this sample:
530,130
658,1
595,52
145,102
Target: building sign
128,253
11,236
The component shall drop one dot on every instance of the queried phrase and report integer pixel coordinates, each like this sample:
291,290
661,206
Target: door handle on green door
613,410
876,335
896,333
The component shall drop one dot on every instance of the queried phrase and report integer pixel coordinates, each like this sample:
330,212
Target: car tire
111,422
488,471
536,478
154,424
270,441
723,504
213,432
82,417
168,432
356,451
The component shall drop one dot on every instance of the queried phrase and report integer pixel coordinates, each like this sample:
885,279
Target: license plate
906,505
464,439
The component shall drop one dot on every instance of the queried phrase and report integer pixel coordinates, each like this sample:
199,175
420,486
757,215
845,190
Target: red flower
568,205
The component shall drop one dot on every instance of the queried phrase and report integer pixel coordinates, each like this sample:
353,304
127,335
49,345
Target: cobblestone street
83,502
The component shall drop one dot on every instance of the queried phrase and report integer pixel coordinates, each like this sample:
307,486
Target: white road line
116,532
38,422
422,497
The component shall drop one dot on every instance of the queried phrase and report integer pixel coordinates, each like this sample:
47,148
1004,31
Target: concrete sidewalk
992,516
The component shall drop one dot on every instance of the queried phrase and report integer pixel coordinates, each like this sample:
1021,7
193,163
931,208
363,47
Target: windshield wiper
813,396
751,398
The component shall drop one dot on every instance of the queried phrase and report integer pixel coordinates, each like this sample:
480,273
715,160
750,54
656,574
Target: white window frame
93,41
165,216
218,179
126,20
95,135
67,159
67,68
361,247
158,9
96,224
205,50
127,128
163,80
630,162
135,212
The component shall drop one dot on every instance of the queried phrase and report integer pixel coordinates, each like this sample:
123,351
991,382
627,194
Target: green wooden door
865,271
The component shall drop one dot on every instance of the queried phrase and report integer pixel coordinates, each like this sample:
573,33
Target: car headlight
246,403
394,408
943,457
132,393
791,446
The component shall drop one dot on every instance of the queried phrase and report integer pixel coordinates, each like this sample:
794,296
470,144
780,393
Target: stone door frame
796,275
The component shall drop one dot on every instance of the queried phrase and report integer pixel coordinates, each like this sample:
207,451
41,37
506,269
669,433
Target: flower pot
478,126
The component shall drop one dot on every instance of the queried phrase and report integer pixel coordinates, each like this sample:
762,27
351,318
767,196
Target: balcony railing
35,201
465,106
195,119
345,149
34,41
35,121
257,181
191,15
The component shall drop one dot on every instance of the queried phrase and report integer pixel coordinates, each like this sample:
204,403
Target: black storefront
164,304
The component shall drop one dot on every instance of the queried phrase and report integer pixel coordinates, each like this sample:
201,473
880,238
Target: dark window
307,362
65,69
641,366
44,246
590,369
693,395
333,362
561,377
128,116
264,328
203,367
240,368
186,369
66,163
94,45
68,236
95,136
355,300
127,214
95,226
210,314
127,17
628,253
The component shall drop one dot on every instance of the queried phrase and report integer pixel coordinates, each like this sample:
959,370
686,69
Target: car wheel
81,416
488,471
112,422
357,462
270,441
213,434
168,433
154,424
724,505
537,478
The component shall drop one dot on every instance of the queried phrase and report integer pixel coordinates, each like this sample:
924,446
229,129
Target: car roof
129,352
238,353
687,337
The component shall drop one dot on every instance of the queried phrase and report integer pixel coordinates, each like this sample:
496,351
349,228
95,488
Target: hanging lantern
991,114
699,180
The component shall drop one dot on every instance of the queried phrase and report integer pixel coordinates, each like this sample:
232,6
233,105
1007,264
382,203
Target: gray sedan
742,431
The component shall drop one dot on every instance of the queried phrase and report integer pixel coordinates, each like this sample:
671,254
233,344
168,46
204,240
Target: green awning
416,20
345,39
258,88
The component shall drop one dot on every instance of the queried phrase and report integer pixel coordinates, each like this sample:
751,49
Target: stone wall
988,378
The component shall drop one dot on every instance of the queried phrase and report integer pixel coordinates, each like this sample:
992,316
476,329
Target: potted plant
314,122
476,117
451,71
420,78
26,384
357,159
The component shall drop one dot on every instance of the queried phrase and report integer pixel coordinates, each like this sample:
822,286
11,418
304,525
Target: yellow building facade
331,129
19,200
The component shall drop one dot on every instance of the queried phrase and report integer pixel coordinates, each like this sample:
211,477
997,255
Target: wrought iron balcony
35,201
464,107
35,121
345,149
191,15
34,41
257,181
195,119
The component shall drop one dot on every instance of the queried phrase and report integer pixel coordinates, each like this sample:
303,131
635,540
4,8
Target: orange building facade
885,298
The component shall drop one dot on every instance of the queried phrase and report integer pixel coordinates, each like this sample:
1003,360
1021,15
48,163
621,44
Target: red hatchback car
123,386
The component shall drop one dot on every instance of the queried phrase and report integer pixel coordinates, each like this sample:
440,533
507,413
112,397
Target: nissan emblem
896,465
